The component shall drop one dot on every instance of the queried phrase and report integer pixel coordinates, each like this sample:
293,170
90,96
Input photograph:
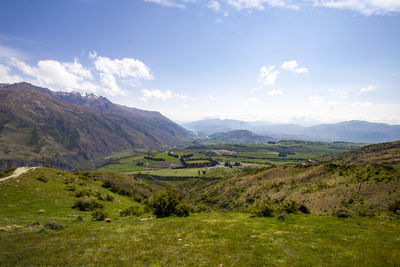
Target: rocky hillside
71,130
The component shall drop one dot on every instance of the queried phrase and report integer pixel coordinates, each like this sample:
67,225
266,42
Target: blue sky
273,60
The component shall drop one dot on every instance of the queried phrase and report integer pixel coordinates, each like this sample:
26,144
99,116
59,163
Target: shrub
163,203
109,197
182,209
132,211
290,206
304,209
395,207
86,204
54,226
99,215
281,216
264,209
83,193
342,213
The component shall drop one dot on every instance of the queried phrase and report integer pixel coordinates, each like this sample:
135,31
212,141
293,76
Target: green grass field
209,239
259,154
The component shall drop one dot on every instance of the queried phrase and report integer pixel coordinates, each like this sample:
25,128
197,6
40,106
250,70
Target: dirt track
18,171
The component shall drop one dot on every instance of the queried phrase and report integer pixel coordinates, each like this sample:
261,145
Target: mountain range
39,126
348,131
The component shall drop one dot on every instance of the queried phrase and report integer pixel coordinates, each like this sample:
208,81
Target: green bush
99,215
290,206
164,203
109,197
132,211
83,193
182,209
395,207
87,204
264,209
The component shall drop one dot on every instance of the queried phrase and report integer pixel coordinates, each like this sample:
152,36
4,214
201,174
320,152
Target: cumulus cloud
369,88
128,68
291,66
365,7
211,97
274,92
160,95
268,75
67,76
73,76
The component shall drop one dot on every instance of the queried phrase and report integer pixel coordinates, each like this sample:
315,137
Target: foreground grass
231,239
208,239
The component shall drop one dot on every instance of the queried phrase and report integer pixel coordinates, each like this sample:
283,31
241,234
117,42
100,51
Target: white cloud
365,7
274,92
260,4
170,3
73,76
67,76
301,70
214,5
127,68
92,54
291,66
268,75
6,77
315,100
211,97
254,100
369,88
160,95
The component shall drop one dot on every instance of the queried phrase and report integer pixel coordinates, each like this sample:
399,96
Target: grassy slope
323,188
233,239
388,153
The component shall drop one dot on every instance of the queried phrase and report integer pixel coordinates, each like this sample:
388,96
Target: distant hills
349,131
239,137
73,129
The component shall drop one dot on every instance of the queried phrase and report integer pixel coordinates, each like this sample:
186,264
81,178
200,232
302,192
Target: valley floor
208,239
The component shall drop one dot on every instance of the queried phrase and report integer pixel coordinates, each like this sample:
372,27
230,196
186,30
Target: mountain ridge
68,129
349,131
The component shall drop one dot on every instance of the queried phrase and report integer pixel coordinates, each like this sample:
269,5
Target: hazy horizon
302,62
